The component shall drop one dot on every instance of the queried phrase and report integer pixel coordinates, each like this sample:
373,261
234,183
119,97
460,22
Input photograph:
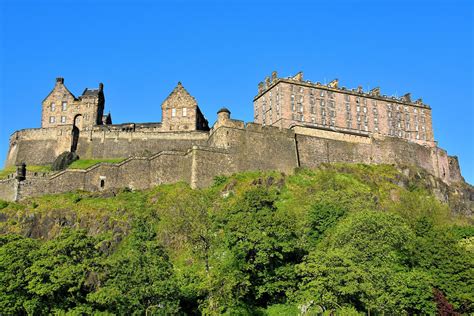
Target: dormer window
185,111
173,112
64,106
53,107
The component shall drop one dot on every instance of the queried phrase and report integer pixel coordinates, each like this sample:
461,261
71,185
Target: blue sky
220,50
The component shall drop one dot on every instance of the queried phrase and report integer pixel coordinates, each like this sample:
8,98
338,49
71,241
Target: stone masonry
285,102
183,148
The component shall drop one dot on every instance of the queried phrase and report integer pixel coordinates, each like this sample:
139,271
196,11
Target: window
301,89
173,112
52,119
185,110
347,97
53,107
322,93
63,119
64,106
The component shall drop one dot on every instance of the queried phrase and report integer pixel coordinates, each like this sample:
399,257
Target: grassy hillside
347,238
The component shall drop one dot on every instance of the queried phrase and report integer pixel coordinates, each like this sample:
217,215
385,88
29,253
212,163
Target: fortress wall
257,147
57,183
135,173
42,145
207,163
8,189
119,144
314,151
38,146
110,173
227,151
454,169
170,167
351,138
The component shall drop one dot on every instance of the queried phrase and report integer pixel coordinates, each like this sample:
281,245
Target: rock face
64,160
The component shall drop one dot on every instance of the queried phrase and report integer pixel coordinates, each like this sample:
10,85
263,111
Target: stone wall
230,147
133,173
42,145
38,146
8,189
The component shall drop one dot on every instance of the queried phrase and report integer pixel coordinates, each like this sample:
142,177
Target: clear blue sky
220,50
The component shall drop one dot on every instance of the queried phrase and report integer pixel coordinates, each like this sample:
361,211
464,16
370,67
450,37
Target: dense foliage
350,239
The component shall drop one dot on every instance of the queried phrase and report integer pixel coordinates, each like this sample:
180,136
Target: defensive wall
39,146
197,157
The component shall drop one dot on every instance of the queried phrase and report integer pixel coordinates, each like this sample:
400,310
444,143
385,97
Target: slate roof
90,92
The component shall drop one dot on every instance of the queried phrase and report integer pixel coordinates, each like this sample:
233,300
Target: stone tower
180,112
61,107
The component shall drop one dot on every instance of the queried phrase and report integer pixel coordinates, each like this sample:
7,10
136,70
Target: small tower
180,112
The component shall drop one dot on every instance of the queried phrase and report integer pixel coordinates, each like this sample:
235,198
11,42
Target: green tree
15,258
138,278
62,271
362,262
260,249
452,266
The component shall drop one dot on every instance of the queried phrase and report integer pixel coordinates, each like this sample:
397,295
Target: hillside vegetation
344,239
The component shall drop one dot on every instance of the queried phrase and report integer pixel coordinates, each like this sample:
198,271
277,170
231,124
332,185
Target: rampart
197,157
42,145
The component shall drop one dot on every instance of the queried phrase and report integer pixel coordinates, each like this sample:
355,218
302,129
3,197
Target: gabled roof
59,82
179,89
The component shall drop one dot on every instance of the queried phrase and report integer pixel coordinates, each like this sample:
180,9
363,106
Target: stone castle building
296,124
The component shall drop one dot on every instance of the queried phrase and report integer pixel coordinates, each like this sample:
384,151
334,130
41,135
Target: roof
90,92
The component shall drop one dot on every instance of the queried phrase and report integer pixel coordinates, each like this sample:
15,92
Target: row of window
63,106
52,119
184,112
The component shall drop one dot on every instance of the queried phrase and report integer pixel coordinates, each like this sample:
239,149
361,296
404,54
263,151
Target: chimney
60,80
274,75
101,86
375,91
298,76
407,97
359,89
267,82
334,83
260,87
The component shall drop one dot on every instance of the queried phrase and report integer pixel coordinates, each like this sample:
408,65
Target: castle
297,123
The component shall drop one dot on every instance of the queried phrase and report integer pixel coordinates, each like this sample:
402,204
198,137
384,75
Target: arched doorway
77,124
